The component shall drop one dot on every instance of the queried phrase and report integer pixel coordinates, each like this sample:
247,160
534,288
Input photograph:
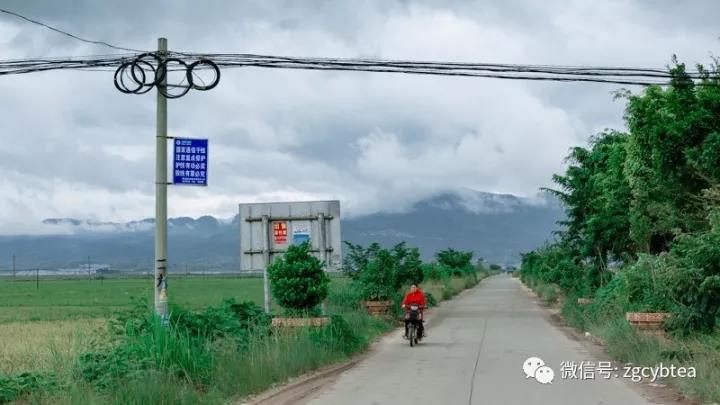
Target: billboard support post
266,259
323,251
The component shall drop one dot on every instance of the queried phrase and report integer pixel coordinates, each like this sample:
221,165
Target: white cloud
75,147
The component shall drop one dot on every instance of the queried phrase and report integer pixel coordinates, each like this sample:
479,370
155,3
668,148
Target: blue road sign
190,158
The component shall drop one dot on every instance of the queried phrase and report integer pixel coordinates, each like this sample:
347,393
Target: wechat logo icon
534,367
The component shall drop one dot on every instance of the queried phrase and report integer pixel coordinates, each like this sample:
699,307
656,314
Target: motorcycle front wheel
412,335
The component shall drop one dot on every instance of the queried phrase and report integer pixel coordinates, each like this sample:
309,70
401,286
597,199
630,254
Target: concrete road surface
474,355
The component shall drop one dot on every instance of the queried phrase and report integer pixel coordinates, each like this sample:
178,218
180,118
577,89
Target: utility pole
13,265
88,268
160,282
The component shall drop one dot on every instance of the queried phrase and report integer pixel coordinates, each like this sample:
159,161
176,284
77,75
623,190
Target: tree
652,194
672,157
454,258
298,280
382,272
407,267
357,258
377,280
597,196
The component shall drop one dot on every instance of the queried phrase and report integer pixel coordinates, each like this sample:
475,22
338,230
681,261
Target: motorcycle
414,322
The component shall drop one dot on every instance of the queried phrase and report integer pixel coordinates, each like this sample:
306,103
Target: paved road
474,354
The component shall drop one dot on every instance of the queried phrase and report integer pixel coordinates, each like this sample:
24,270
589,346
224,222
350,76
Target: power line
90,41
149,65
14,67
598,74
601,74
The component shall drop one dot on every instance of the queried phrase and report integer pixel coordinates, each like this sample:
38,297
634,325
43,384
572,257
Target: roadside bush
337,336
693,275
250,315
436,271
229,319
344,297
133,319
551,295
14,387
142,344
471,280
575,315
102,368
639,287
152,388
397,298
625,345
610,301
554,264
298,280
447,292
165,348
431,301
646,282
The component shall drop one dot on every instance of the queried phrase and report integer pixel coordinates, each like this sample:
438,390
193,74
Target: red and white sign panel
280,231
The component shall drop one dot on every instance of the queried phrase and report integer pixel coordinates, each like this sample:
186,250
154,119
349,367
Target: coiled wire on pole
148,70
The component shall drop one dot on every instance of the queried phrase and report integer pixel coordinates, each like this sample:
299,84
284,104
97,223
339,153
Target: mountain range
496,227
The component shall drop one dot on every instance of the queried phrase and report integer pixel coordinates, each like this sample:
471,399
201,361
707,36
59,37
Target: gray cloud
74,146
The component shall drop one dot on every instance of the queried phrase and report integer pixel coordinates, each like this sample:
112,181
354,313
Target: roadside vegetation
210,354
643,231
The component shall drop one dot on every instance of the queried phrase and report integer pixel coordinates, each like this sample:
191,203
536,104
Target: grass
45,330
46,345
212,372
550,294
701,352
446,288
20,301
170,366
623,344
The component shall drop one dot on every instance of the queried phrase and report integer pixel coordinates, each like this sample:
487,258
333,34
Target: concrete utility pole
160,282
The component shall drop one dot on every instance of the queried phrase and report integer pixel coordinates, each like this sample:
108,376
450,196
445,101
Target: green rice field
72,299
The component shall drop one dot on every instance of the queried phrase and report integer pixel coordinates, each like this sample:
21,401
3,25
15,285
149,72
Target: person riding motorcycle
414,297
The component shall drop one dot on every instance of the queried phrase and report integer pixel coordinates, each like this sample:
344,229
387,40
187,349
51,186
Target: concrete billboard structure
268,229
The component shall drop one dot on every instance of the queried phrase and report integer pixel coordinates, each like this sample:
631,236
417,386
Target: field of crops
82,298
40,328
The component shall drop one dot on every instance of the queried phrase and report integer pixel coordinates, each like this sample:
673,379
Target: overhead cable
90,41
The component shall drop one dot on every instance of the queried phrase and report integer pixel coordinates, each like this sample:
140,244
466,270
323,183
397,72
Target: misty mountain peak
472,201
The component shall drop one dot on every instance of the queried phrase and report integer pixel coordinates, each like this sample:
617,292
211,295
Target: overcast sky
73,146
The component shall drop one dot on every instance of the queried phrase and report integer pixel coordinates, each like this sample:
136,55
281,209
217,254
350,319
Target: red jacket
415,298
